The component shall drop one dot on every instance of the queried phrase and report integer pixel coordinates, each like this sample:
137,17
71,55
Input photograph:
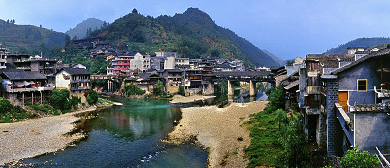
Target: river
127,136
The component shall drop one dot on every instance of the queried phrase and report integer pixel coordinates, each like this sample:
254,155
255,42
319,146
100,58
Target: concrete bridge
252,77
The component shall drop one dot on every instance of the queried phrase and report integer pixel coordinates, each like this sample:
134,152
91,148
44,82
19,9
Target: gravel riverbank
35,137
218,129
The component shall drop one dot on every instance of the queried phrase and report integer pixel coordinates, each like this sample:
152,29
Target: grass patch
102,101
264,148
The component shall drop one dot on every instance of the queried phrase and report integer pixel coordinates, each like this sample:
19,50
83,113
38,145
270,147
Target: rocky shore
35,137
220,130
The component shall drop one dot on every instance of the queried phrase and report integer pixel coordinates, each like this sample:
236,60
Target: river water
128,136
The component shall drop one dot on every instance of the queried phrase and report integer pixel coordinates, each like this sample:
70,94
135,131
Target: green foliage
296,151
276,139
132,89
276,99
181,90
358,158
98,83
92,97
158,89
240,139
221,88
5,105
45,108
60,99
12,113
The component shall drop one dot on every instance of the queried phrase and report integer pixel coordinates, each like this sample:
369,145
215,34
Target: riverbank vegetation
277,137
12,113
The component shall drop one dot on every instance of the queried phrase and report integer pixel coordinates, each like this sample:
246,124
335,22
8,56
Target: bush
359,159
60,99
132,89
181,90
158,89
5,105
11,113
92,97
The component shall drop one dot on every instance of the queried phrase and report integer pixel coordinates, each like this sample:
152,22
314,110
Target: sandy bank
37,136
218,129
189,99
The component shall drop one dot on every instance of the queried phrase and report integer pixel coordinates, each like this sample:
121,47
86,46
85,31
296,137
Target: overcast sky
286,28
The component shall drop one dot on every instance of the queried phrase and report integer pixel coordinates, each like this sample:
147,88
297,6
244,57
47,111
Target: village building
3,57
24,87
76,80
358,104
140,62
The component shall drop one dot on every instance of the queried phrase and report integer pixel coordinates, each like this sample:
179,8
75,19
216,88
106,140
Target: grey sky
286,28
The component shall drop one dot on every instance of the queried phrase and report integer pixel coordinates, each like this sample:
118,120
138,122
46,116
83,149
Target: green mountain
192,34
277,59
28,38
361,42
86,26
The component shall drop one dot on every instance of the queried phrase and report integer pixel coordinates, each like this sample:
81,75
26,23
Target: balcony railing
81,88
313,89
10,89
345,122
382,93
80,81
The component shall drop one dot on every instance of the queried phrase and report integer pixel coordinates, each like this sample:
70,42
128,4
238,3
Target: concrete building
77,80
140,62
3,57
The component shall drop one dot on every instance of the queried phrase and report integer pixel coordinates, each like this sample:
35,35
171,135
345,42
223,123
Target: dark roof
330,60
372,55
241,73
24,75
76,71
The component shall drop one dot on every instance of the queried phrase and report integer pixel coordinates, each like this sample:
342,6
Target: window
362,85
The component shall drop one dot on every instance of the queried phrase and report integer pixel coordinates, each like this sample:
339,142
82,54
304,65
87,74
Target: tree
359,159
67,40
181,90
92,97
276,99
158,88
134,11
132,89
60,99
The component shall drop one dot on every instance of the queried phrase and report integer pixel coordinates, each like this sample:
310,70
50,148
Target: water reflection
123,136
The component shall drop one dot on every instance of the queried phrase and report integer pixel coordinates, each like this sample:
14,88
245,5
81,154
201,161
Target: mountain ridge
86,26
192,34
359,42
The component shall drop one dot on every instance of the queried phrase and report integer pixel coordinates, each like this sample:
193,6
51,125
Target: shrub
132,89
158,88
5,105
60,99
92,97
181,90
359,158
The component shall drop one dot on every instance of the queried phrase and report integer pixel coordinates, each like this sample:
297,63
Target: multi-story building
3,57
24,87
140,62
77,80
120,64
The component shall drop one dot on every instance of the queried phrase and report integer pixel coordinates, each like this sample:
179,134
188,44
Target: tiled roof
372,55
369,107
24,75
76,71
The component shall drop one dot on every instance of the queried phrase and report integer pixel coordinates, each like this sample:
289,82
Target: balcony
313,89
32,89
382,93
80,88
80,81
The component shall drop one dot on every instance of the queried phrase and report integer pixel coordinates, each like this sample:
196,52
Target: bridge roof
241,73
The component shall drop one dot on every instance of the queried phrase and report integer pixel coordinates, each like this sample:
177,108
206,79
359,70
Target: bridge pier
230,88
252,88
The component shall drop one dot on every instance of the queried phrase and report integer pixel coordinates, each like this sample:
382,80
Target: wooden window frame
357,85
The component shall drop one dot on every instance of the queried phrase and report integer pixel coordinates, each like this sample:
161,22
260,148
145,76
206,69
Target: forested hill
360,42
82,29
192,34
28,38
